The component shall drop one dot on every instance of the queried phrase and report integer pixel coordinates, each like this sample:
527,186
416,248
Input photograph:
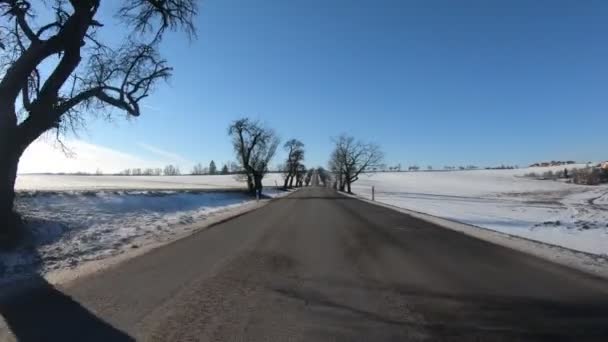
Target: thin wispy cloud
150,107
166,155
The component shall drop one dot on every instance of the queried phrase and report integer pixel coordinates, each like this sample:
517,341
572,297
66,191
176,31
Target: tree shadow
43,313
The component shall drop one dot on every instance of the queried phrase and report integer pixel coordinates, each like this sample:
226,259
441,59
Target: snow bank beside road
567,215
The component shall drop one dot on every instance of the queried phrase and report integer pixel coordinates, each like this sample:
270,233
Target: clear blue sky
433,82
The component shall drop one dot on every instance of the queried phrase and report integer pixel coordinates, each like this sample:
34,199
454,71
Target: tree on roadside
212,168
224,170
295,155
299,175
350,157
255,146
56,66
308,177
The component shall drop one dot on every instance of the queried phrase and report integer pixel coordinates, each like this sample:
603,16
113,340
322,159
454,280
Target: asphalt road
317,266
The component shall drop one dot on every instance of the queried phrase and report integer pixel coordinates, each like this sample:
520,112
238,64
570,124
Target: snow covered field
74,219
37,182
572,216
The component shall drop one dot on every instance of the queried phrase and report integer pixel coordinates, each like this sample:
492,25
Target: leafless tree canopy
171,170
255,146
295,156
88,74
350,157
55,71
198,169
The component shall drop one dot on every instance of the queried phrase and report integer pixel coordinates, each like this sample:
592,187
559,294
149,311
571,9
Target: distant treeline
553,163
169,170
399,168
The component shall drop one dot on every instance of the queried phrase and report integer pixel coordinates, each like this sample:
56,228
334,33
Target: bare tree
351,157
255,146
295,155
171,170
81,72
197,169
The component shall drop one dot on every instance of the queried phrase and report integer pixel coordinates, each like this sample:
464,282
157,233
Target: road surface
317,266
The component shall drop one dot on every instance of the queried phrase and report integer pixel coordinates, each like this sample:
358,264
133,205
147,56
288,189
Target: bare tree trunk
250,185
291,181
258,185
286,182
348,186
10,153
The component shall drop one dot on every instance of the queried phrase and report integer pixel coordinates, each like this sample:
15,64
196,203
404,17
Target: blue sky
432,82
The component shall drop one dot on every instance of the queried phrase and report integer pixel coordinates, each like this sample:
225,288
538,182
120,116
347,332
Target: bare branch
19,10
53,25
156,16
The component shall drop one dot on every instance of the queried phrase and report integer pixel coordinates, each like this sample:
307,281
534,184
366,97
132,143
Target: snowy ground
75,219
572,216
37,182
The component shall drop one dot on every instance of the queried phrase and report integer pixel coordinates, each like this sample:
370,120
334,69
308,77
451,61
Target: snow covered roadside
554,212
70,229
501,205
586,262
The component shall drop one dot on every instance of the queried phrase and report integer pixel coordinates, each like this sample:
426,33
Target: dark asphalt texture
318,266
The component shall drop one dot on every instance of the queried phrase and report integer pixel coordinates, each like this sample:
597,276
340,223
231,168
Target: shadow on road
43,313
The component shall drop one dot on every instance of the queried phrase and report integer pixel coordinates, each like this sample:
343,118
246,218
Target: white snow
40,182
554,212
75,219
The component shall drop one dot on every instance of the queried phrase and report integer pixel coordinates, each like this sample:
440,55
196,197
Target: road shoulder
593,264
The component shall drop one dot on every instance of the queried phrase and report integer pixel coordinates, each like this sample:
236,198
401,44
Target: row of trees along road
350,158
56,67
255,145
